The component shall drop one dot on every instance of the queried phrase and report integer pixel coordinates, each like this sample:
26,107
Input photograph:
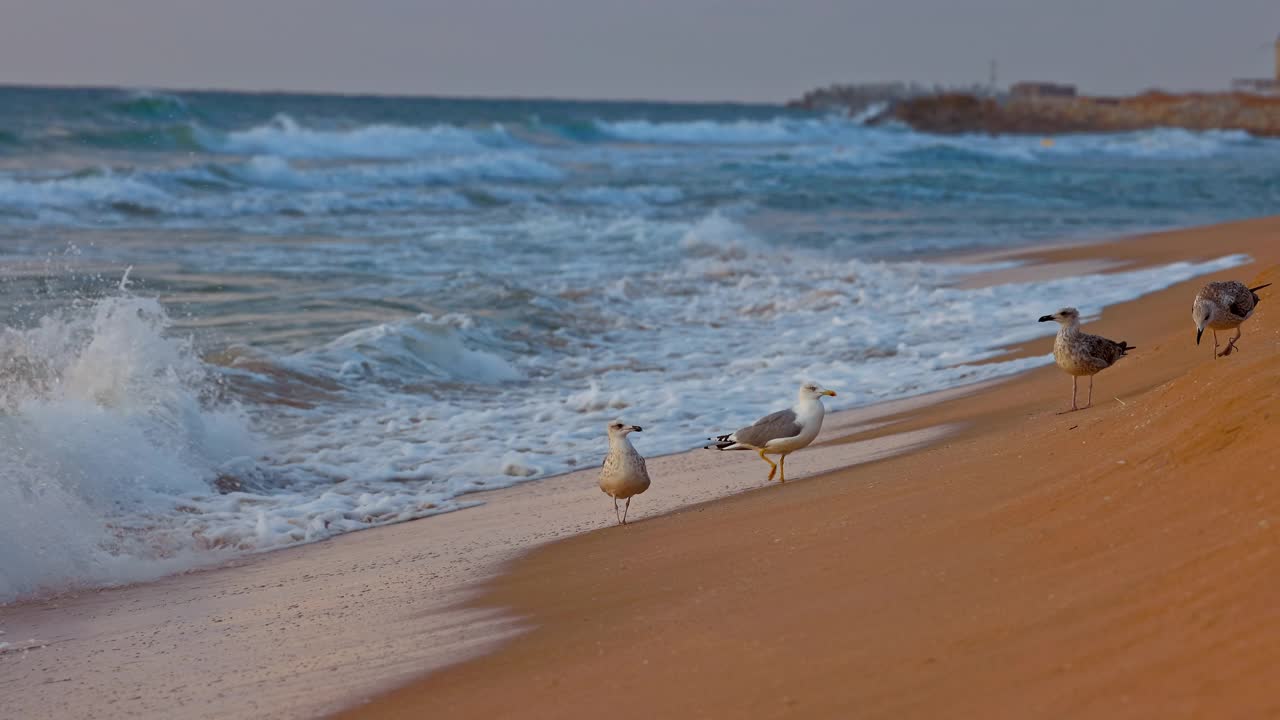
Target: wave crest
443,348
106,425
284,137
777,131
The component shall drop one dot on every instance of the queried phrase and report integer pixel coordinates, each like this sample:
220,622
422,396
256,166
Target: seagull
1223,306
782,432
1081,353
623,473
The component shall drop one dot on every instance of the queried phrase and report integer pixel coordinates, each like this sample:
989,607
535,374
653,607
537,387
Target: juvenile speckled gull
623,474
783,432
1224,306
1080,353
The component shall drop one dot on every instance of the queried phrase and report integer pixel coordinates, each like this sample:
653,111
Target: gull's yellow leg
782,469
773,468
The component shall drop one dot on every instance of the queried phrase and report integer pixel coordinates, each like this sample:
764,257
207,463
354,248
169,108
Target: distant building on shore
1270,86
1042,89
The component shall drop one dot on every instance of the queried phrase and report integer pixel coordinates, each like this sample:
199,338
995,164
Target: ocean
236,322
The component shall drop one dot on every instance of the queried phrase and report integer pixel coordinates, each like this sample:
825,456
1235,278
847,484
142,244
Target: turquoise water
232,322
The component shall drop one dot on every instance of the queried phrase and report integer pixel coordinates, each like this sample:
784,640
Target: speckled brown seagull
1080,353
1224,306
623,474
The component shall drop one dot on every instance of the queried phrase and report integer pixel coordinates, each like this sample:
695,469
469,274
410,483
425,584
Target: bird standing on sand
623,473
1080,353
1224,306
783,432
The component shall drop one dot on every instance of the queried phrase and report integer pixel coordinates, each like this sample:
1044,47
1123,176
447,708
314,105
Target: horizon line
6,85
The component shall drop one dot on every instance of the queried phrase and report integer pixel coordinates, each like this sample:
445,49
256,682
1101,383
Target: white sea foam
105,426
285,137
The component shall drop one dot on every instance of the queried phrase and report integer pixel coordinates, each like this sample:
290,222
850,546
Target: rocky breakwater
967,113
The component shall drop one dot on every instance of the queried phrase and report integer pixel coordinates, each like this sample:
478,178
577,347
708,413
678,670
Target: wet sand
1114,562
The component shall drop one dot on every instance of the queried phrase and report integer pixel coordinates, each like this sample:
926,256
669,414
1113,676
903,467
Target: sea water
235,322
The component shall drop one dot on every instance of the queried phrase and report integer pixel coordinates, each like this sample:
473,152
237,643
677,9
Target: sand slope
1116,562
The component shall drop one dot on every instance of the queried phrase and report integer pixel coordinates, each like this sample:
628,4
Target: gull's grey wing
781,424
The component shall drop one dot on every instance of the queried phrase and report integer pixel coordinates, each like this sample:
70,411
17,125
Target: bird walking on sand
1080,353
783,432
623,474
1224,306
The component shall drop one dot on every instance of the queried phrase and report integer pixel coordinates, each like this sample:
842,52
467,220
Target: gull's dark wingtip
719,442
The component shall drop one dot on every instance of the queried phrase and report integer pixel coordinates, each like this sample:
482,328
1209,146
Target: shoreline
310,609
417,583
915,585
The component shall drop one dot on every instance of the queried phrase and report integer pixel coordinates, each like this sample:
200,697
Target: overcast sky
662,49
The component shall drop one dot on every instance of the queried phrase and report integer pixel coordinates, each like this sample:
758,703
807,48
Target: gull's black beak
1199,332
1046,318
636,428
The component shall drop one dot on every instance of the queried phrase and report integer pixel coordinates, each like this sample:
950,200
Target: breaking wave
285,137
109,427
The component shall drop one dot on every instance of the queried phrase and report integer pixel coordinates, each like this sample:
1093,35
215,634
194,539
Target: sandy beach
1108,563
971,553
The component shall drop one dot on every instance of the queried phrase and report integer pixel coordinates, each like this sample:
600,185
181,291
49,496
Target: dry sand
981,575
1115,562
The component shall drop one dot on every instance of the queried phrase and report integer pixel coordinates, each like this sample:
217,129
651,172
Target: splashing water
106,425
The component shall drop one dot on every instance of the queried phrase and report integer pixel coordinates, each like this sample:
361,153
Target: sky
744,50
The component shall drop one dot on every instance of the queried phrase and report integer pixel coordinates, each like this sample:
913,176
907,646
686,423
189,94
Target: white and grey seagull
623,474
783,432
1079,353
1224,306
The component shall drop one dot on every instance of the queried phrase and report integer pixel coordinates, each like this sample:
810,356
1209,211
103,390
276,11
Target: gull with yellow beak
783,432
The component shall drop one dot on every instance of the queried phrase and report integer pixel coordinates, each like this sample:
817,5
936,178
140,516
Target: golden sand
1115,562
